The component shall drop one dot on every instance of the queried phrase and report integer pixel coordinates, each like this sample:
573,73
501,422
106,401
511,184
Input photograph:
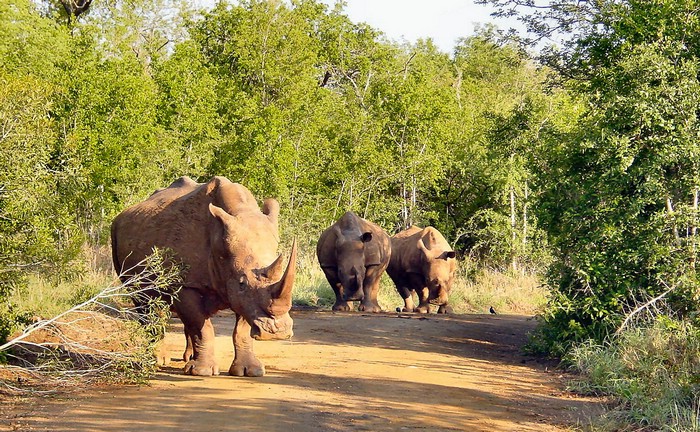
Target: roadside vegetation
566,176
651,370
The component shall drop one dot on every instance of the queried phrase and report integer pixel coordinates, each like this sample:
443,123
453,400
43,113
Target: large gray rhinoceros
422,261
228,248
353,254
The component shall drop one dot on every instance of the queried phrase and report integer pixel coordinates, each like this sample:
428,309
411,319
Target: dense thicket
619,194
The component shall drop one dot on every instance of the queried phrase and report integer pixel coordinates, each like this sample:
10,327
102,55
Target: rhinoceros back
176,218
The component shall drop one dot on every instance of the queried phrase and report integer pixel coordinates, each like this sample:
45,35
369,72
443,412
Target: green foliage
618,191
29,43
36,234
652,372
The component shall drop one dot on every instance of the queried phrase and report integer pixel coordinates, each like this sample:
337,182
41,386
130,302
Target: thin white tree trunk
694,229
669,209
527,193
513,229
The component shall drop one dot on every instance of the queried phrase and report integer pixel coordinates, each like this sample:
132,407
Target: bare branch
644,307
63,348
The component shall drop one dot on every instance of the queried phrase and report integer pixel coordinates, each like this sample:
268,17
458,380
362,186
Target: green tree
36,232
620,191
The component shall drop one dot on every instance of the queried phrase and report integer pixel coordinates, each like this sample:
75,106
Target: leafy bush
652,371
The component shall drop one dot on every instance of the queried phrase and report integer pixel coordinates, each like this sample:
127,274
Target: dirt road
343,372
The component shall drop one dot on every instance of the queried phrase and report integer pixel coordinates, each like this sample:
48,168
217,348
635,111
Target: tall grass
652,371
45,297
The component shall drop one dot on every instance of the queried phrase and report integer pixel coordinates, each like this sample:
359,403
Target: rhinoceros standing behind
353,254
422,261
228,248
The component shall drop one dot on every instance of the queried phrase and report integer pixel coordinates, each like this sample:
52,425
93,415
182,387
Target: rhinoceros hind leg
409,306
189,351
199,332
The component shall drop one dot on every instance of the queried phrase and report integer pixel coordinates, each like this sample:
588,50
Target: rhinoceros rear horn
282,290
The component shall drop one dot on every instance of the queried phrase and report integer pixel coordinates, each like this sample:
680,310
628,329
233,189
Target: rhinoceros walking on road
353,254
229,251
422,261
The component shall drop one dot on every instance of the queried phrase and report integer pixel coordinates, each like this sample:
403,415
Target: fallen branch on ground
103,338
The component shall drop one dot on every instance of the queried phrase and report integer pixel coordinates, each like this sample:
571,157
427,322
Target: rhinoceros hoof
343,306
249,369
370,308
444,309
201,368
187,355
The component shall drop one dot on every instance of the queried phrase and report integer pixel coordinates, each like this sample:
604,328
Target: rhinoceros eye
242,283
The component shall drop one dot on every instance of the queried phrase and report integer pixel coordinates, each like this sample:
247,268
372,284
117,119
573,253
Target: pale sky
442,20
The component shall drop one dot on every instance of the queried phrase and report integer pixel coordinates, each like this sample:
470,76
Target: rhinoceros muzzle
352,289
354,296
272,328
439,300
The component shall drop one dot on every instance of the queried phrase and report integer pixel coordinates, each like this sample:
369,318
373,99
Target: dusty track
343,372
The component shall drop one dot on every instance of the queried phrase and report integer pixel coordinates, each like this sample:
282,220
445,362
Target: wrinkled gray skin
353,254
422,261
228,248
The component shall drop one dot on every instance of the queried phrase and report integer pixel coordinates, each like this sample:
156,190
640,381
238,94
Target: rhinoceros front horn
282,290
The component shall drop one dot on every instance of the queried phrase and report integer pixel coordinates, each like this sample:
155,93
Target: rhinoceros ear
422,248
271,208
448,254
366,237
218,212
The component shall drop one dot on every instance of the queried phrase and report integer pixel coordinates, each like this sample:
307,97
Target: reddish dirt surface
340,372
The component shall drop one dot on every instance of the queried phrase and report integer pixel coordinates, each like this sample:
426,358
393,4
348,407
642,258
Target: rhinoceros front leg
244,362
423,304
334,282
199,333
406,295
369,301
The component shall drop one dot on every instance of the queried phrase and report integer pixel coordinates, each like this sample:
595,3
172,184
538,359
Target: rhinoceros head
438,267
243,265
350,251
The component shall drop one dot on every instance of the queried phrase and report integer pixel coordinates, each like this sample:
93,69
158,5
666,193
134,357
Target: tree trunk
527,193
669,210
514,261
694,230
